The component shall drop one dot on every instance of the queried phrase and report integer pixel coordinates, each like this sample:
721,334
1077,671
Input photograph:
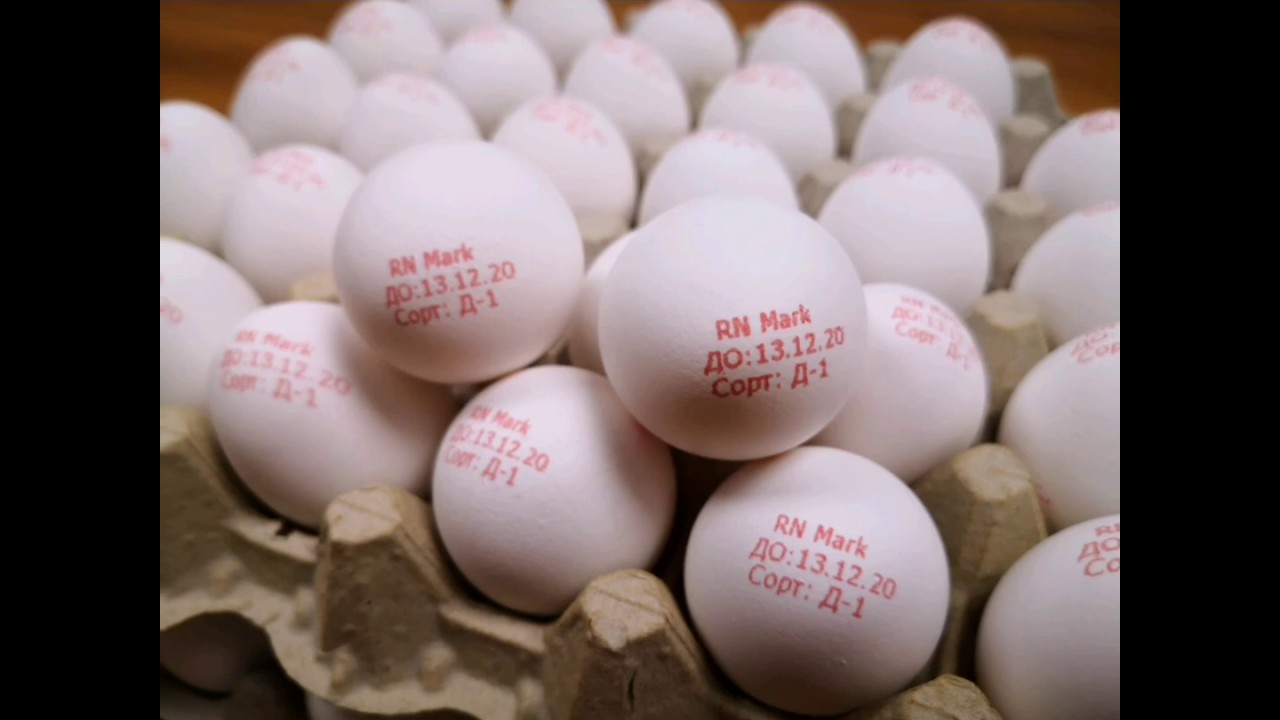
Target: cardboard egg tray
371,615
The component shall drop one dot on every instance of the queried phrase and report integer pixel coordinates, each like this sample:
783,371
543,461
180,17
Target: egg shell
458,262
545,482
305,411
397,111
297,90
922,395
965,52
779,106
563,27
1063,421
934,118
910,220
1048,646
694,300
495,69
1079,165
1073,272
283,216
453,18
696,36
713,161
634,85
213,652
201,157
201,300
580,150
817,581
382,36
584,326
816,42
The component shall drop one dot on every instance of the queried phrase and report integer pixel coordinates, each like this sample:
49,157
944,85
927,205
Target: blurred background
204,45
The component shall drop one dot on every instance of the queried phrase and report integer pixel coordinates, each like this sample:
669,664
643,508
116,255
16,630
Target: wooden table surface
205,45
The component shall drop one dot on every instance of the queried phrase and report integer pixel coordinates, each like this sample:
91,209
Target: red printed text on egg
962,30
282,368
495,445
932,325
410,87
169,310
275,67
365,21
290,167
819,565
774,363
1101,343
445,284
1101,556
937,90
1098,123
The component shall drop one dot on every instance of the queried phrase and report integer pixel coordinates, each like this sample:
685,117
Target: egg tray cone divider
370,614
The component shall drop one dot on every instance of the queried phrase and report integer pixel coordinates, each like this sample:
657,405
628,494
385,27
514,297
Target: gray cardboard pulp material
986,508
849,116
1037,93
1008,329
1020,137
879,56
371,615
822,180
599,233
316,288
651,152
1016,220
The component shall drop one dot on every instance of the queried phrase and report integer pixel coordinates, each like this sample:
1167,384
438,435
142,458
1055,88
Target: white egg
495,69
1073,272
965,52
453,18
779,106
716,161
692,313
910,220
934,118
817,580
458,262
563,27
544,483
634,85
283,217
381,36
922,395
298,90
1049,642
201,300
578,147
397,111
213,652
1079,165
202,155
305,411
696,36
584,326
1063,420
817,42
